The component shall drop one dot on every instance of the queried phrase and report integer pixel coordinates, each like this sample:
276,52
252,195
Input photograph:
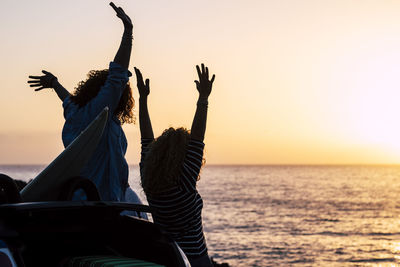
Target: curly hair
163,162
87,90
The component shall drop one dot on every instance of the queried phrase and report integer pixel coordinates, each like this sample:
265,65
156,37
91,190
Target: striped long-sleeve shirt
179,208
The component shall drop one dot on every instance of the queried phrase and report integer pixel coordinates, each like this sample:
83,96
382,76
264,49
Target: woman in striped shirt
169,169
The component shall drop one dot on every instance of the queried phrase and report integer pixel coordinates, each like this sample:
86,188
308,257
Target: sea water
294,215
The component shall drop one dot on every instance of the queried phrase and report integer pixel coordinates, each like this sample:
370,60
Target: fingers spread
197,85
38,89
213,78
139,78
198,71
35,85
34,81
138,74
202,68
35,77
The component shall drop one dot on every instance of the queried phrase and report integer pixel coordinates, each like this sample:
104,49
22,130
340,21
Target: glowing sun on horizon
374,106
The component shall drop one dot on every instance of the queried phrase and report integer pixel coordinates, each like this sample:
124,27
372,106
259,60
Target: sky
297,82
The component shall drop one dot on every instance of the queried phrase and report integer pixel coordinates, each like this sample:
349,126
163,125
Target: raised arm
204,86
146,130
48,80
124,52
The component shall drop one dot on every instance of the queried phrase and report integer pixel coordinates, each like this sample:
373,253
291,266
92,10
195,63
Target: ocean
294,215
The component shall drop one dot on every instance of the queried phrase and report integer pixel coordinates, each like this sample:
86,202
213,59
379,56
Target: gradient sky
297,82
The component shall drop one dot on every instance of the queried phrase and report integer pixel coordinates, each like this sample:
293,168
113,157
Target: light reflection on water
302,215
294,215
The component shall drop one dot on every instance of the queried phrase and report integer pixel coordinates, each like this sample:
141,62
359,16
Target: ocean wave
374,260
321,220
302,261
329,233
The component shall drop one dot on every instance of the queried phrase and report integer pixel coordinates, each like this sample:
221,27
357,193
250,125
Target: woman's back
179,208
107,168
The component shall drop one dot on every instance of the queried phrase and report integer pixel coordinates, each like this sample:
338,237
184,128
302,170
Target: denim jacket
107,167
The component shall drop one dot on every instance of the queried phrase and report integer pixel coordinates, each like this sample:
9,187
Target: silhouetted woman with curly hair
169,169
107,167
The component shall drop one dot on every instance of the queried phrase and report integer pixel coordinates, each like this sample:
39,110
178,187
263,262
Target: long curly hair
163,163
87,90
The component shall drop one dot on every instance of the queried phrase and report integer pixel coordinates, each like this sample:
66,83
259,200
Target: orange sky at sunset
297,82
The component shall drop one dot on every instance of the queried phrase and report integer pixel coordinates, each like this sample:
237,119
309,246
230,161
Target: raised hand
45,81
204,85
143,88
124,17
146,130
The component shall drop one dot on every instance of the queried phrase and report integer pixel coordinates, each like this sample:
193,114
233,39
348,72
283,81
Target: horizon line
245,164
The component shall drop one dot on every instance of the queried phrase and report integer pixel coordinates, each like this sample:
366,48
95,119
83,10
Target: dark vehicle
79,233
